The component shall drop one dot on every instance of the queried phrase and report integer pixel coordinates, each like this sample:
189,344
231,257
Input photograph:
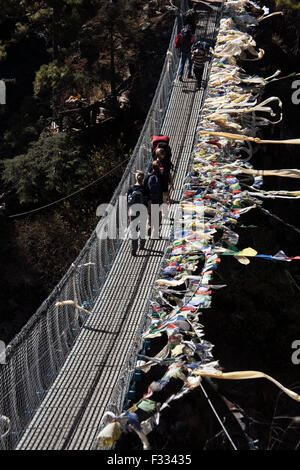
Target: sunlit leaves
50,76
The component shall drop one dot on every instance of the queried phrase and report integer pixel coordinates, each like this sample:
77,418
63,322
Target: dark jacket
165,168
158,197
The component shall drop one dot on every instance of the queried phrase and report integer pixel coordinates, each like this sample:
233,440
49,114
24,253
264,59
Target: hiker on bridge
155,184
165,167
136,197
200,55
161,141
183,42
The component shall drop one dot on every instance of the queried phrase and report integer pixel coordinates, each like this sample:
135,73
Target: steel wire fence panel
36,354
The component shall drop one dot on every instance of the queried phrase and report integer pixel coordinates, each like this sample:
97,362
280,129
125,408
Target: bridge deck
69,416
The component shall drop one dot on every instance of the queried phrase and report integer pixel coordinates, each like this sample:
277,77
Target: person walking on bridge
184,43
165,166
200,54
154,183
137,198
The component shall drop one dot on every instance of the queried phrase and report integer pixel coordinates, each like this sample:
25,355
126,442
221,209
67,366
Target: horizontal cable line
70,195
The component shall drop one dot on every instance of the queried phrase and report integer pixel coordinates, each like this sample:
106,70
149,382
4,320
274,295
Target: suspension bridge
66,367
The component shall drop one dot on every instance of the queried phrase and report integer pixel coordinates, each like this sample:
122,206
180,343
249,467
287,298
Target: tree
52,167
51,80
119,34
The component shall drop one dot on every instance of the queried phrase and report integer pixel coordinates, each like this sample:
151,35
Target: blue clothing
185,56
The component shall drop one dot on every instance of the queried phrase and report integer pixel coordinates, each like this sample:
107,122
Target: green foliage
43,241
3,53
23,126
116,30
21,31
56,21
108,157
19,135
52,167
41,15
11,8
51,76
294,4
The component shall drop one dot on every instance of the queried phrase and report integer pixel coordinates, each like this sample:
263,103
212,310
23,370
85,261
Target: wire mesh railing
37,353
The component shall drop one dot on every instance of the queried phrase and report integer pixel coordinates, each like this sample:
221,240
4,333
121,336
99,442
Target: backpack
156,139
154,187
178,41
186,38
135,197
161,141
205,46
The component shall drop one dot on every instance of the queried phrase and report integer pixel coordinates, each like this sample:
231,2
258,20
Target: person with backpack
165,167
161,141
137,194
183,42
200,54
154,185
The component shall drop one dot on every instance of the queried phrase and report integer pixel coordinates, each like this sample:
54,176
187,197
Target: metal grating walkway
69,416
